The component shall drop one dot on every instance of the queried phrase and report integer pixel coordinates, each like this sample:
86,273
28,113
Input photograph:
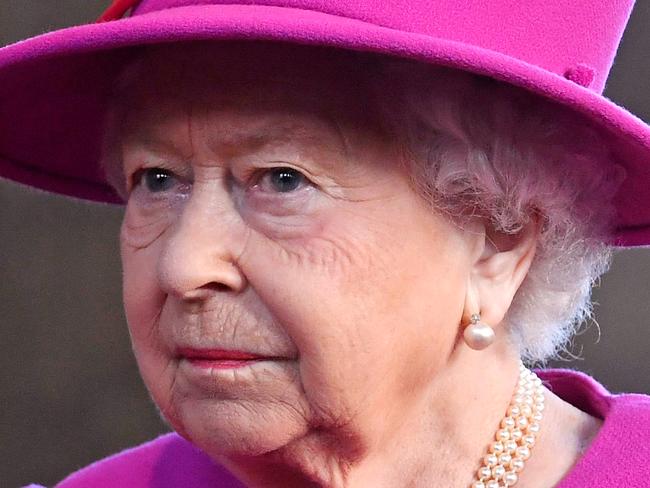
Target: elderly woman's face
268,220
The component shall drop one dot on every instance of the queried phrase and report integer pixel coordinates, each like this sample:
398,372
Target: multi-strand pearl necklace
513,442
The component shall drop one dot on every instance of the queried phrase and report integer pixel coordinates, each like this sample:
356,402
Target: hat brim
54,90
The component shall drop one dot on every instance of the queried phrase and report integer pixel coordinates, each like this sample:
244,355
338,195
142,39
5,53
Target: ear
501,264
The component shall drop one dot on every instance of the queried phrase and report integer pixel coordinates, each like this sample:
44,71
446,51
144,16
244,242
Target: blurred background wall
71,392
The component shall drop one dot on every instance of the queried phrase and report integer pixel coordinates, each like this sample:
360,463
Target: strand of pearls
514,440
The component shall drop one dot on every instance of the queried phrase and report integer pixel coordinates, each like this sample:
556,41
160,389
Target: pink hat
54,87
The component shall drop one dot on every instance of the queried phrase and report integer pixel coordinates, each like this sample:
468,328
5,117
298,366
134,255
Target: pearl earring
478,335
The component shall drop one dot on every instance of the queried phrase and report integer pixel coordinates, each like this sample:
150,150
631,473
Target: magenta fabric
619,456
54,87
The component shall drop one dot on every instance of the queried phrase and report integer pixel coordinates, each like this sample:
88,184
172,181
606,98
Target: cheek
142,238
368,299
142,295
143,303
144,223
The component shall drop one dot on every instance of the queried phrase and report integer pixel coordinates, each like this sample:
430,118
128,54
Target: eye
281,180
156,180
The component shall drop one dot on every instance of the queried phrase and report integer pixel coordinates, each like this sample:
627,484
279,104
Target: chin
237,428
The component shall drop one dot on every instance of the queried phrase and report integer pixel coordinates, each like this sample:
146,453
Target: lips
220,358
217,354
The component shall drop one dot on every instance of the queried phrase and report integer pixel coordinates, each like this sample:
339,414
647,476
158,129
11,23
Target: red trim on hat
117,9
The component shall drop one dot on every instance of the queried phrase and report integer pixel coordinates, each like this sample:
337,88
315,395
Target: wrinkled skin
335,271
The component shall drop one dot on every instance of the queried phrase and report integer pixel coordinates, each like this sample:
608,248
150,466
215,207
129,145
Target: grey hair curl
479,147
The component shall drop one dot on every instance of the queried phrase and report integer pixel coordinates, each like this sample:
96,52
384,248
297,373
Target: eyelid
134,178
257,181
253,174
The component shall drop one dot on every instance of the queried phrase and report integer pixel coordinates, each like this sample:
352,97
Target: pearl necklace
516,436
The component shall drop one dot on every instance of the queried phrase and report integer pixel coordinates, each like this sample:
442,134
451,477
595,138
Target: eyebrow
274,134
235,140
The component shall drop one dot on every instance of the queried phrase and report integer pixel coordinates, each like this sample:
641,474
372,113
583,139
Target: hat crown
576,39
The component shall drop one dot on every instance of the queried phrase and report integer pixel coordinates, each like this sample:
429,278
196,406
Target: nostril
218,286
202,293
205,291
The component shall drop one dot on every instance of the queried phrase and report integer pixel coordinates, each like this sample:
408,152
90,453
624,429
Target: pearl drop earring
477,334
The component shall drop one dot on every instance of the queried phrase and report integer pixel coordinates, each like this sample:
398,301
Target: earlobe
477,334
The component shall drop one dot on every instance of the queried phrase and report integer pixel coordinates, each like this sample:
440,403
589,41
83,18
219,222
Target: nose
201,254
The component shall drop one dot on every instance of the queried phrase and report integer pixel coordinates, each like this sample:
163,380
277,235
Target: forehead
246,92
247,77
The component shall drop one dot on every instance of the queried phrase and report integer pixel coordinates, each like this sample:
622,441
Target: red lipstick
218,358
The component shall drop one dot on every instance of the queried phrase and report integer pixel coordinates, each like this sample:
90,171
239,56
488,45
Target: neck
444,438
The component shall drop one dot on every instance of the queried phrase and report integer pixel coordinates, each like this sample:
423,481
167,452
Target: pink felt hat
54,87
